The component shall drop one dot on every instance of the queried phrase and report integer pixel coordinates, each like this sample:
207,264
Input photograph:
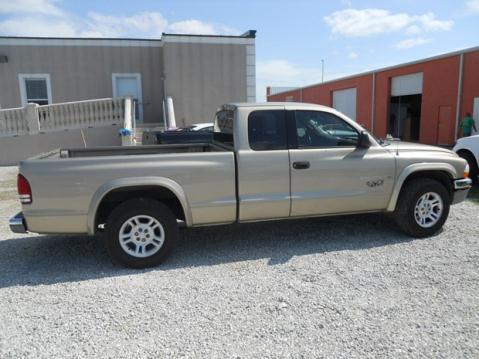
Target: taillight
24,190
466,171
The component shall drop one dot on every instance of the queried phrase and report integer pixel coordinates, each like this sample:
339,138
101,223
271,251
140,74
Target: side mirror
363,140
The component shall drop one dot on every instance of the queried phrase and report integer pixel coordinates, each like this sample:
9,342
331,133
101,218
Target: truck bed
68,182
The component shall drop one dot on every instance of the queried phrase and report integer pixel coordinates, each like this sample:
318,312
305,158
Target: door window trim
114,80
23,88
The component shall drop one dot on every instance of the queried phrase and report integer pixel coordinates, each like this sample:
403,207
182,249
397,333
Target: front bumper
17,223
461,189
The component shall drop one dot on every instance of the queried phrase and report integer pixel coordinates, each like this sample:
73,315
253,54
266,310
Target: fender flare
112,185
414,168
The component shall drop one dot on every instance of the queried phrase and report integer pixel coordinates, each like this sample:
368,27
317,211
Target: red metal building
419,101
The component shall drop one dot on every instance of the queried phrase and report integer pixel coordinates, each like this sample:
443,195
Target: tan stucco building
199,72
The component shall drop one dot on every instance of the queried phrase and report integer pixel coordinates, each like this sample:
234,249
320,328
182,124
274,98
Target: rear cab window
267,130
223,128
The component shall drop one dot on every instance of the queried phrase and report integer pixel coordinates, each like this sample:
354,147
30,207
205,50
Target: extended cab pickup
266,162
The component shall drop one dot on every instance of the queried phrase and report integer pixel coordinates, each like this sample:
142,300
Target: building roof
432,58
249,35
73,38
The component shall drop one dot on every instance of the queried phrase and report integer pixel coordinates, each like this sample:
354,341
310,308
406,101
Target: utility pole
322,70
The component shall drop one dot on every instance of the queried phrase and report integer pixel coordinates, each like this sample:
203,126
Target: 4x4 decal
375,182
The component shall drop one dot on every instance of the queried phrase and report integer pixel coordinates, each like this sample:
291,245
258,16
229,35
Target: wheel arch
468,152
442,172
134,187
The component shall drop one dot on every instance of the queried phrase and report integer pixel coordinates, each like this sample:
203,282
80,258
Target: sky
292,36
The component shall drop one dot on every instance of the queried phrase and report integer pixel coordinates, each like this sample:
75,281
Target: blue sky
292,38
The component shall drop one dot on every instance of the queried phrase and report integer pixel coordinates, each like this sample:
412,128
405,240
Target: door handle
301,165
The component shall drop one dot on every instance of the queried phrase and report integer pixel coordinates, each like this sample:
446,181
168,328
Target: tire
433,210
140,233
471,161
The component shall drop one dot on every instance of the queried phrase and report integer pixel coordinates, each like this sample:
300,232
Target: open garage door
345,101
405,106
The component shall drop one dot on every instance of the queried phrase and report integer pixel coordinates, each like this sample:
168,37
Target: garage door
345,101
407,85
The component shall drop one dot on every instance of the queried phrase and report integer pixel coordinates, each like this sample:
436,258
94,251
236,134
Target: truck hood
402,147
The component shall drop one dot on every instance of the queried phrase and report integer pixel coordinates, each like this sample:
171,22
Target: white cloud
412,42
367,22
143,24
31,26
413,30
279,72
192,27
354,23
472,5
429,23
353,55
45,18
282,73
46,7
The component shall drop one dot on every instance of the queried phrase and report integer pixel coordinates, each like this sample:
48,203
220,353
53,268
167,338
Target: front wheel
422,208
140,233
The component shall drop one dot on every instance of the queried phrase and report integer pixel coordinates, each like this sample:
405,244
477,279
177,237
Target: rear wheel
471,161
140,233
422,208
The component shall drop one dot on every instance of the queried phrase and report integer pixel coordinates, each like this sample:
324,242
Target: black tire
471,161
149,209
404,214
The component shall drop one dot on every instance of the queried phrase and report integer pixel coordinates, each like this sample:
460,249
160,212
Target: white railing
81,114
33,118
12,122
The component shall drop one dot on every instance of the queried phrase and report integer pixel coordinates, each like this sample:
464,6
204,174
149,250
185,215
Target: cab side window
267,130
323,129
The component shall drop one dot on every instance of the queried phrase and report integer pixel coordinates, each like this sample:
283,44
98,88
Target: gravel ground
342,287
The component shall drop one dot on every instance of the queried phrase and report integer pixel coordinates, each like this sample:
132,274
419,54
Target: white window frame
23,89
137,76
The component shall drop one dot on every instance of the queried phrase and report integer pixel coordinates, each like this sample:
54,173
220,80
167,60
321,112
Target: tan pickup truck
267,161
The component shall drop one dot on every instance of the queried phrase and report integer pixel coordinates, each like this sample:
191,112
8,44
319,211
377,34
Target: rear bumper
17,223
461,189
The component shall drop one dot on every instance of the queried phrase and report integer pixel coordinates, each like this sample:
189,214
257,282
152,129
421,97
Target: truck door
263,169
329,173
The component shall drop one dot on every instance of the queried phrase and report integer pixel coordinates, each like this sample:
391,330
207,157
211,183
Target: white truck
468,148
